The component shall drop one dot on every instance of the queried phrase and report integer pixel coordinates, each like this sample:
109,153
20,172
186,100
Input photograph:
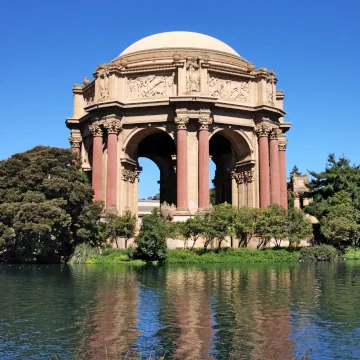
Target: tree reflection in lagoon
257,311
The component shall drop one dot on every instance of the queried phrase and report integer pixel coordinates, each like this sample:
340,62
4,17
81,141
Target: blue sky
313,46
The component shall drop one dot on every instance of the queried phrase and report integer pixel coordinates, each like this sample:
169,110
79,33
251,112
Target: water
181,312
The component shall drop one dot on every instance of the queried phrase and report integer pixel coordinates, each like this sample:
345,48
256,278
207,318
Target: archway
229,152
159,147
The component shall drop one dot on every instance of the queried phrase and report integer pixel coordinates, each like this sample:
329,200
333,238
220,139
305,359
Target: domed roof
179,40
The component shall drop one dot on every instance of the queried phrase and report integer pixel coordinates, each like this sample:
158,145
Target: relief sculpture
151,86
229,89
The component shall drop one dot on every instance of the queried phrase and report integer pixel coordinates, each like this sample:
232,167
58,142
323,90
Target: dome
179,40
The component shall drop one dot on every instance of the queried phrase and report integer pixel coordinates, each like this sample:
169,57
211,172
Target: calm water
180,312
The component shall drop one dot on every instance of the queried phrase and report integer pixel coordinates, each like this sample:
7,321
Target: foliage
271,223
340,221
120,226
229,255
213,196
192,229
46,205
81,253
299,228
318,253
351,253
244,224
338,175
151,240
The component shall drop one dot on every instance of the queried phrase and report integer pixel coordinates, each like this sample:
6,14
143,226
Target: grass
351,253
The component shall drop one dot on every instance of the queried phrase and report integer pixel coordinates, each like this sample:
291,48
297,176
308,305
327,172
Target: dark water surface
262,312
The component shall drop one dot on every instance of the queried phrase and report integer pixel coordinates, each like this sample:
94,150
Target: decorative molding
282,145
181,122
113,126
275,133
130,175
103,78
262,130
295,194
229,89
75,141
192,75
243,177
270,87
96,129
204,123
150,86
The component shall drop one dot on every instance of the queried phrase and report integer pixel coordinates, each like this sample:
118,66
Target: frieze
151,86
229,89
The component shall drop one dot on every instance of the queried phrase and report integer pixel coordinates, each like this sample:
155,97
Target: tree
213,196
299,228
338,175
120,226
192,229
271,223
340,221
151,240
244,224
45,202
295,171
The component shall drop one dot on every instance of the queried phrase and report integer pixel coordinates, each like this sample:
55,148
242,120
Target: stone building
180,99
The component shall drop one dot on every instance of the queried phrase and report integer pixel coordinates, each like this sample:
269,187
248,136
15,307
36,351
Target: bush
81,253
319,253
151,241
351,253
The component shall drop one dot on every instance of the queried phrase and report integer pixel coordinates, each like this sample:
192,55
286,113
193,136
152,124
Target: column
75,142
263,131
204,191
274,167
97,160
249,184
181,163
113,127
283,182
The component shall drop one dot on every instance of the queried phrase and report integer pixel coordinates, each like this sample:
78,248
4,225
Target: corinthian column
283,183
181,163
204,191
75,142
263,131
97,160
274,167
113,127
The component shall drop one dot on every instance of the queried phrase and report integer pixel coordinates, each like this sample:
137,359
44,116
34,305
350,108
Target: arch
239,141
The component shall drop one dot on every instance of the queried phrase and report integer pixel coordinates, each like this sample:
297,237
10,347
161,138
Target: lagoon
217,311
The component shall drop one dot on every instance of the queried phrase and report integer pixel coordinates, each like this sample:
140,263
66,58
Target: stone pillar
113,127
204,191
274,167
283,182
296,197
97,160
263,131
75,142
181,163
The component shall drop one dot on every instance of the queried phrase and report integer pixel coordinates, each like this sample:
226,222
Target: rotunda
180,99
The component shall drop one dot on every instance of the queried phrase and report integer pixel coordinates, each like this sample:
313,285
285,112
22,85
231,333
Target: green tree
44,205
192,229
338,175
271,223
120,226
340,221
151,240
244,224
213,196
299,228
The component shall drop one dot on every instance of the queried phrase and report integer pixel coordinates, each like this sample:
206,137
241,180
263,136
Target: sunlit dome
179,40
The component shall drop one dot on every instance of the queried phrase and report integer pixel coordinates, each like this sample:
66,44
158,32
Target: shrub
81,253
151,241
318,253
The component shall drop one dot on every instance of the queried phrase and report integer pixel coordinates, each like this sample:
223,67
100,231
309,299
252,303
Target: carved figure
103,83
150,86
229,89
192,76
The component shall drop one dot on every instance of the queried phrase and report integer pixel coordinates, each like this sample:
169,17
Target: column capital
204,123
262,130
96,129
275,133
243,177
181,122
75,141
282,144
113,126
130,175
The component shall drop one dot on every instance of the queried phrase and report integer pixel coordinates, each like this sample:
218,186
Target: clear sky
313,46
